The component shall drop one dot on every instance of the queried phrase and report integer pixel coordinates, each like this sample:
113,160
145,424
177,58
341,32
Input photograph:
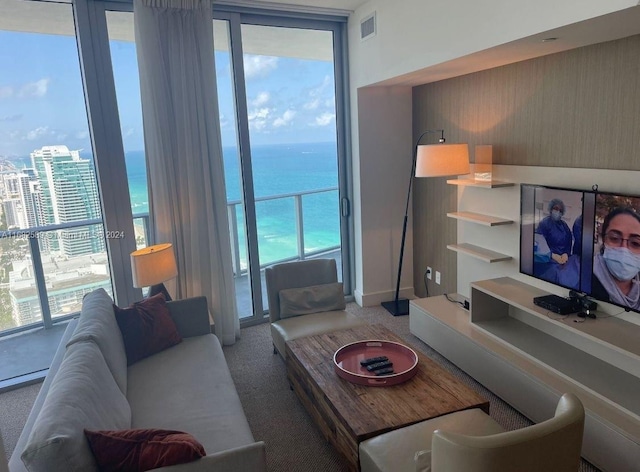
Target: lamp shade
439,160
153,265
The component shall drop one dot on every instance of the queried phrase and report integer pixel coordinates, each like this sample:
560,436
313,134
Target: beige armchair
305,299
470,441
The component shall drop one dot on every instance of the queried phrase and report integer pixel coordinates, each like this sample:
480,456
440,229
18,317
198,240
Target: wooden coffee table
348,413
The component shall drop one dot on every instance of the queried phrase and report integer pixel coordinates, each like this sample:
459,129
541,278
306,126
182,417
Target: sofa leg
275,351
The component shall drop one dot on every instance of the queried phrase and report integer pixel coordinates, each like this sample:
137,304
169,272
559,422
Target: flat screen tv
581,240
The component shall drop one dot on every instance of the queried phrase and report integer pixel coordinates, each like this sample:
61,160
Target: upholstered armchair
470,441
305,299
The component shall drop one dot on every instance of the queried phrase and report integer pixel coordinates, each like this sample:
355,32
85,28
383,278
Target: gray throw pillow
313,299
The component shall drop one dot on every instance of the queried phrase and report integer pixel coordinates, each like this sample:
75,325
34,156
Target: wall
413,35
576,109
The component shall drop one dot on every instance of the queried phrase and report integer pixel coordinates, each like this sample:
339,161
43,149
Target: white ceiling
56,18
299,5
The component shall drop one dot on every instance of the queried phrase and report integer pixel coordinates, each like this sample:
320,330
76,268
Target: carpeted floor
275,415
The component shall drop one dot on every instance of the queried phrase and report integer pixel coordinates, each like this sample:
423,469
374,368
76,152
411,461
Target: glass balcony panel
277,232
78,266
321,228
19,303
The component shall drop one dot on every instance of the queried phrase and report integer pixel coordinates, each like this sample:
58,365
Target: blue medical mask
622,264
556,215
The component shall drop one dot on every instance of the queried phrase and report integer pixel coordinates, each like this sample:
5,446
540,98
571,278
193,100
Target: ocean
278,169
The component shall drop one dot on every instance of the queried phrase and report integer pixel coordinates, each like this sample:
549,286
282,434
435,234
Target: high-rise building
18,190
67,192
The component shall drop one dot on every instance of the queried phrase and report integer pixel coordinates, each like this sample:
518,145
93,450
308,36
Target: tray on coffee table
347,362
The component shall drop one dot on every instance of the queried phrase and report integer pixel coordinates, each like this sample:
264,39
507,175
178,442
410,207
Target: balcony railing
54,306
238,240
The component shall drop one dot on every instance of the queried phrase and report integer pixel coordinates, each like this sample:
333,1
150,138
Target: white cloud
6,91
127,132
259,66
285,119
82,134
258,119
260,113
312,105
61,137
262,99
34,89
324,119
37,133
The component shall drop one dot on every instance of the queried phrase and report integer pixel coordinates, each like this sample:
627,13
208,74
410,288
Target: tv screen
582,240
553,235
616,251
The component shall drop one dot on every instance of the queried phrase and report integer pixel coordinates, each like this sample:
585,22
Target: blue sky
42,102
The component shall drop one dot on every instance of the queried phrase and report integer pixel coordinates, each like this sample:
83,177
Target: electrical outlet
429,272
438,277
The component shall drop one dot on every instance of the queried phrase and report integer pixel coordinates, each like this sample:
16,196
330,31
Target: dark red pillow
137,450
146,328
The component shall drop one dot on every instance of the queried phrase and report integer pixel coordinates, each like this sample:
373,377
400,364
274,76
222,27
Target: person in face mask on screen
556,232
617,264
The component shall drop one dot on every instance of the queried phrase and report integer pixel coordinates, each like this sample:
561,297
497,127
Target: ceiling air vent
368,27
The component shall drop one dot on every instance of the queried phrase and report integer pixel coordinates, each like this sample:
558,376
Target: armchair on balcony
305,299
471,441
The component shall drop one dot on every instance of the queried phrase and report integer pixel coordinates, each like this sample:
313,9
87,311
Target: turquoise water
277,170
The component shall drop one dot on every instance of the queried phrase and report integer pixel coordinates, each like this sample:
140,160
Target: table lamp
153,265
432,160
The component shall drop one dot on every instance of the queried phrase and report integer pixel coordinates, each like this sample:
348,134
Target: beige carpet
275,415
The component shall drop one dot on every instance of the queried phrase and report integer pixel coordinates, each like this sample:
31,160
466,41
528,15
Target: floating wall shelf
479,252
478,218
480,183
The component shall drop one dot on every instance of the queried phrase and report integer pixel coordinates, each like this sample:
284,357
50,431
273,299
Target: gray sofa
186,387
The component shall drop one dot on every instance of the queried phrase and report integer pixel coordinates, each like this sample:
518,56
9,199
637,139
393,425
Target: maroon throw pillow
137,450
146,328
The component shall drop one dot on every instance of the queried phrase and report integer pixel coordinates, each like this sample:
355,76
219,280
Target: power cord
612,316
464,304
426,287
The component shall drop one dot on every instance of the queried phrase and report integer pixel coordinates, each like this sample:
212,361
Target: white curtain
174,40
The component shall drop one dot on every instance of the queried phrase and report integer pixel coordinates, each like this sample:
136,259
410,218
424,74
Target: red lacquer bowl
347,359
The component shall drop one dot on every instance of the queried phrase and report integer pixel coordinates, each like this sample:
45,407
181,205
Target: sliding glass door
282,147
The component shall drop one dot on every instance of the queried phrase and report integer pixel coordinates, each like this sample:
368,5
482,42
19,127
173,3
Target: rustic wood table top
367,411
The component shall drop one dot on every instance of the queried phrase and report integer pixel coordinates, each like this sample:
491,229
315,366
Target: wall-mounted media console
529,357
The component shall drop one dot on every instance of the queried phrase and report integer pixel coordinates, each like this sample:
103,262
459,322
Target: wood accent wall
579,108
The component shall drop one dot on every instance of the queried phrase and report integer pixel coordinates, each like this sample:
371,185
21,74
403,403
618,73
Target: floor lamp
432,160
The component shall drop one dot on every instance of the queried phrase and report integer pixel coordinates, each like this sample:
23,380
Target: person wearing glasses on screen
617,264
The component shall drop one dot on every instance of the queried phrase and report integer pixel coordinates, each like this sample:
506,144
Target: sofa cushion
313,299
142,449
147,328
83,394
188,387
97,323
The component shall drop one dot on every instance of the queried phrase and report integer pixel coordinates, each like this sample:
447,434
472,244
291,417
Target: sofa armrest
250,458
191,316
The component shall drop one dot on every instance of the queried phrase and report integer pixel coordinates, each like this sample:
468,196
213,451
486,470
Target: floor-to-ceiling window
280,90
72,163
52,241
277,92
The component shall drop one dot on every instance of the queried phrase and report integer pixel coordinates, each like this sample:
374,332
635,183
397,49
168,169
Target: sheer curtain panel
174,40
